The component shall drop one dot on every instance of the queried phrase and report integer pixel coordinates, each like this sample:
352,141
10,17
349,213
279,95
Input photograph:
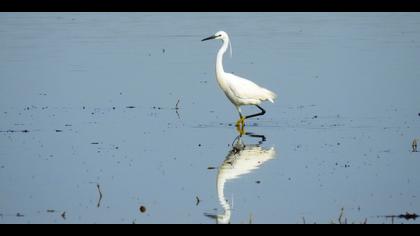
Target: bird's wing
246,89
241,87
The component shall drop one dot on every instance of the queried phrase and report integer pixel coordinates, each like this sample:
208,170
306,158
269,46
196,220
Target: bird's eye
219,35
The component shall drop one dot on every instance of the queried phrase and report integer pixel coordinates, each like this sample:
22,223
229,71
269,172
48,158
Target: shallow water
88,100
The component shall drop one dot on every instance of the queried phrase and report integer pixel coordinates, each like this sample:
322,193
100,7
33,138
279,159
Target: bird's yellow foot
240,126
240,122
240,129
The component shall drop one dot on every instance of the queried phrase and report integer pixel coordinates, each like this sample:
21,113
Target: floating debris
14,131
19,215
414,145
63,215
163,50
143,209
58,131
130,107
258,182
406,216
50,211
211,168
95,143
314,117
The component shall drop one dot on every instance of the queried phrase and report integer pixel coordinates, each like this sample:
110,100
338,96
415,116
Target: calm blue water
95,94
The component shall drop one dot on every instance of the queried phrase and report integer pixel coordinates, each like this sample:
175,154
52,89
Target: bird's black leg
258,114
262,137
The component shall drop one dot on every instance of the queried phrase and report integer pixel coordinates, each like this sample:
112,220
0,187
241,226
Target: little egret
239,91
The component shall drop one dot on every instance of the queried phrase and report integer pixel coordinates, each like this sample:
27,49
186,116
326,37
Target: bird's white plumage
240,91
246,92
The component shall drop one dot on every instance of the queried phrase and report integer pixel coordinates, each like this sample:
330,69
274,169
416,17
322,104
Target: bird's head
219,35
222,35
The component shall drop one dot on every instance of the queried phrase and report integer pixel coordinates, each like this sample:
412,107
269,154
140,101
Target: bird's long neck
219,60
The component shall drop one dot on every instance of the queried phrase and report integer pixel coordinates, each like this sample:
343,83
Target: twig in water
100,195
63,215
177,104
177,108
251,219
341,216
198,201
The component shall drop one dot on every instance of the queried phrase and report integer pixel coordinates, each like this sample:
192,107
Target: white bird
239,91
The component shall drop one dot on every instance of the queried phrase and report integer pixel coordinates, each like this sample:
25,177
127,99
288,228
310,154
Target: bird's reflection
242,159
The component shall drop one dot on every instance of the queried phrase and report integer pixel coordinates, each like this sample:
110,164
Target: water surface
89,99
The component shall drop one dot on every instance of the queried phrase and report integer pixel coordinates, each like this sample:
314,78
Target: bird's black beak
211,37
